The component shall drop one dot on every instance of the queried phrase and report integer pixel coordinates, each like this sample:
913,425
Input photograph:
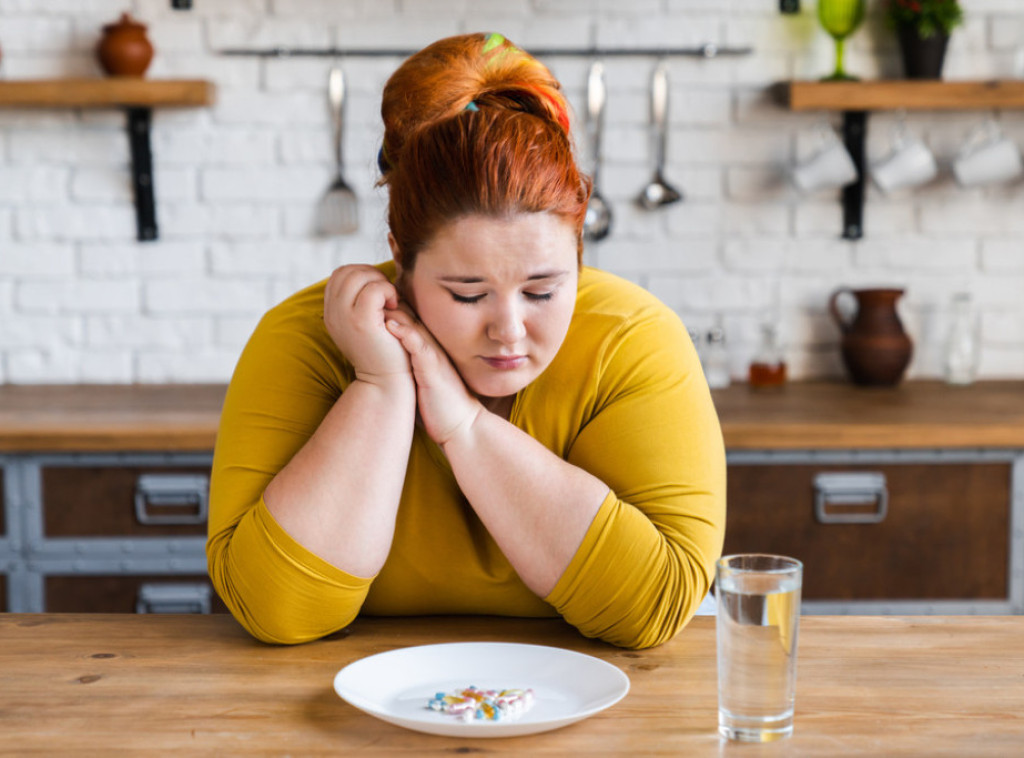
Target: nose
506,325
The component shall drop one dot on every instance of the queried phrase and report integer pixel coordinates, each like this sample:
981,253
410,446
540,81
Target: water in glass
758,621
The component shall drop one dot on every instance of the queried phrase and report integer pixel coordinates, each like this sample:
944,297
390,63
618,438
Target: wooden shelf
138,96
902,94
129,92
855,100
112,92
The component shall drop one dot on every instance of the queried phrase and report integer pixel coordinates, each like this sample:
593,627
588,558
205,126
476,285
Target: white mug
988,157
909,164
829,167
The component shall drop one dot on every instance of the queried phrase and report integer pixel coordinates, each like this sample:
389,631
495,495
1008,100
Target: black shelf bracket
139,121
855,132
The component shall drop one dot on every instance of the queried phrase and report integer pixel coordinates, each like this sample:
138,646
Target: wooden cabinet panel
110,594
945,535
100,502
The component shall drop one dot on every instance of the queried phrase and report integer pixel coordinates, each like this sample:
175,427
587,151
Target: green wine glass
840,18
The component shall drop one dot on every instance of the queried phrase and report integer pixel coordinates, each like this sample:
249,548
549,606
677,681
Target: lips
505,362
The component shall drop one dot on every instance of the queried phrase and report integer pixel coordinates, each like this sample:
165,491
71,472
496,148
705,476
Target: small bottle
716,359
961,360
698,344
768,367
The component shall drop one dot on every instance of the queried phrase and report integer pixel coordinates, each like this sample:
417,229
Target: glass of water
758,620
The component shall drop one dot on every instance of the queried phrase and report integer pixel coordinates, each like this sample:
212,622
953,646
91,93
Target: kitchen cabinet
906,499
107,531
106,497
894,528
899,500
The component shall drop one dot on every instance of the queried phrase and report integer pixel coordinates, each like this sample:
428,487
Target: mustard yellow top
624,399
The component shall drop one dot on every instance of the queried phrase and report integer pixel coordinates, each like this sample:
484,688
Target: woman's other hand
445,405
357,301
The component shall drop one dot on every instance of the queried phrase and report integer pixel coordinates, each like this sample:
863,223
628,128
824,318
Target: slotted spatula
339,208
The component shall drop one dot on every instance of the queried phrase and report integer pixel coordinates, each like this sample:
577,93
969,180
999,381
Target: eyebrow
479,279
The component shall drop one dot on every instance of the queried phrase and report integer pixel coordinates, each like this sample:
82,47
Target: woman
482,425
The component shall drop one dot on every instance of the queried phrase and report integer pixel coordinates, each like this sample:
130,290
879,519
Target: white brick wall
237,183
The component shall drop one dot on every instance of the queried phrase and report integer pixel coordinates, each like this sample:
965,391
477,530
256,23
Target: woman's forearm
537,506
339,494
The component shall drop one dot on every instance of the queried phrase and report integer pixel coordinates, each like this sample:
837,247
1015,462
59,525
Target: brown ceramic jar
876,350
124,49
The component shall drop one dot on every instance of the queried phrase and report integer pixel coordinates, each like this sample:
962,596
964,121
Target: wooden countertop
803,415
198,685
920,414
86,418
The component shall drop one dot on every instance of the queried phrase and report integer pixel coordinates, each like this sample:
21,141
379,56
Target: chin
494,387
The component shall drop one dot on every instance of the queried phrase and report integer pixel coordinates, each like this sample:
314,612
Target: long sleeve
648,558
287,378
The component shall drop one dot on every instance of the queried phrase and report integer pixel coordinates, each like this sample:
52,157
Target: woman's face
498,296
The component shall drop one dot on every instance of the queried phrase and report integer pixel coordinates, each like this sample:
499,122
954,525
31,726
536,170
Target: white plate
396,686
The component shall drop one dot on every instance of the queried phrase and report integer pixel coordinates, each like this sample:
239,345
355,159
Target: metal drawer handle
173,598
156,491
857,488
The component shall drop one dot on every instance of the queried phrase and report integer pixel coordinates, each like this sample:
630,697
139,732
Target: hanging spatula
339,208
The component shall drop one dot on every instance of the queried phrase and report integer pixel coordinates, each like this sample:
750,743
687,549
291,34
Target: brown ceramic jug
875,348
124,49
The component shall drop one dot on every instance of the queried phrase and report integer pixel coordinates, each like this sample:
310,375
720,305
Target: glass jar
716,359
961,358
768,366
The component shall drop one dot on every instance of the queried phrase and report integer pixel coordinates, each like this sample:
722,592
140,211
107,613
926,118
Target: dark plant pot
922,58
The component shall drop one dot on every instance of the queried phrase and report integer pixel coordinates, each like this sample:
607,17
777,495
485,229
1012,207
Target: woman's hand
444,403
358,299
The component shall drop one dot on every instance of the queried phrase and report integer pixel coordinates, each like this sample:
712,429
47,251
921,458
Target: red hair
473,125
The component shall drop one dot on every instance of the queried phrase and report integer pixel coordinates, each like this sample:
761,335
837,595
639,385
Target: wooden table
198,685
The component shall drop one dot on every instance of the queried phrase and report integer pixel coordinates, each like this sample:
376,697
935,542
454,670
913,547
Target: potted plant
922,28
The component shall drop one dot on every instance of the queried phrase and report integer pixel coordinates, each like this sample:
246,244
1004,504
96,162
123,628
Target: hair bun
517,80
465,72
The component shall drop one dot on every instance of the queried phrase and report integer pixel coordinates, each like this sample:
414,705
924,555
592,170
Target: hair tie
471,106
496,47
493,40
382,161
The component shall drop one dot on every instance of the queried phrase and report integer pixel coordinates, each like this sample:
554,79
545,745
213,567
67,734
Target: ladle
658,192
598,220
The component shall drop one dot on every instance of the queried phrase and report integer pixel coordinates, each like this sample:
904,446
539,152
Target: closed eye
537,297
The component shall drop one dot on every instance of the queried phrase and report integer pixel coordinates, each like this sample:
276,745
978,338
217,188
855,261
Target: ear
396,254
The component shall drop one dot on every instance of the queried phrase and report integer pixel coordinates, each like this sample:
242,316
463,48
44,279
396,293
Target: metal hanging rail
708,50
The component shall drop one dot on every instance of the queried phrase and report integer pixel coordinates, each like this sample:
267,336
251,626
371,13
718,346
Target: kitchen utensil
658,192
874,346
840,18
339,207
598,220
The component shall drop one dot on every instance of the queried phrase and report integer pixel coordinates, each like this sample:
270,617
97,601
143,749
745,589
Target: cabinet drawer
942,534
124,501
120,594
